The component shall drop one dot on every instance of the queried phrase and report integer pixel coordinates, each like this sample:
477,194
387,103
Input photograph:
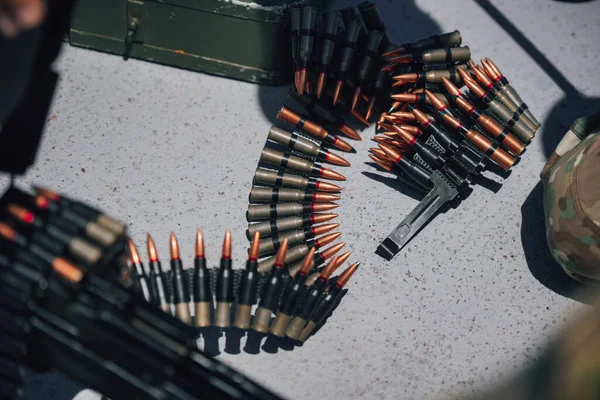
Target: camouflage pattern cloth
569,368
571,181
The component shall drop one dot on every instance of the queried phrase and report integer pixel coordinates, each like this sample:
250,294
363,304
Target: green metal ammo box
238,39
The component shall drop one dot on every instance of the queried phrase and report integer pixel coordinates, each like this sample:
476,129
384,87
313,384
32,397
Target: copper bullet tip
133,252
199,244
325,240
395,106
322,229
329,252
67,270
385,165
330,268
46,193
152,253
489,70
406,136
327,187
421,117
453,122
464,74
281,253
321,84
21,213
475,88
390,152
348,131
402,59
41,202
386,126
331,174
297,80
393,52
379,153
322,207
370,107
408,77
450,87
227,245
343,145
7,232
481,76
355,97
344,257
405,97
301,81
389,67
388,133
174,247
337,91
307,262
335,159
403,115
437,103
308,87
346,275
413,130
254,252
319,197
494,67
389,117
320,218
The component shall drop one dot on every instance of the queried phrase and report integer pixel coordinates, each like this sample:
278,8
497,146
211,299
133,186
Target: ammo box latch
134,21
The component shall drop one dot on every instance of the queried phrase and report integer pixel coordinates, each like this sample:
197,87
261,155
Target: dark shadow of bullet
233,340
395,183
253,342
497,170
271,345
488,183
318,328
211,337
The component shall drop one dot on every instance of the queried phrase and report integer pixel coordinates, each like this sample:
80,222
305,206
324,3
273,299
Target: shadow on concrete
394,182
573,104
539,259
570,107
405,23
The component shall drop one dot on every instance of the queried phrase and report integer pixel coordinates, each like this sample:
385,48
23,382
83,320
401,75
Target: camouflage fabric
571,181
569,368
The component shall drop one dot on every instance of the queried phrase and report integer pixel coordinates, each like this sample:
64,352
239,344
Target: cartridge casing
286,160
269,177
293,141
450,54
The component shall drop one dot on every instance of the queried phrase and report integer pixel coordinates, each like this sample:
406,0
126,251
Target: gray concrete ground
462,307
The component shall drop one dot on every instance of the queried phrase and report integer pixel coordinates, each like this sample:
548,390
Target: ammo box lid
246,40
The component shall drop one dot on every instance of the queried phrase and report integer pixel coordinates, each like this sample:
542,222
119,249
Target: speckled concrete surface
457,310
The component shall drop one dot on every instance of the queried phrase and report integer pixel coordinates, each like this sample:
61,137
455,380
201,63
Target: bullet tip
152,253
133,253
199,244
174,247
254,251
227,245
281,253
